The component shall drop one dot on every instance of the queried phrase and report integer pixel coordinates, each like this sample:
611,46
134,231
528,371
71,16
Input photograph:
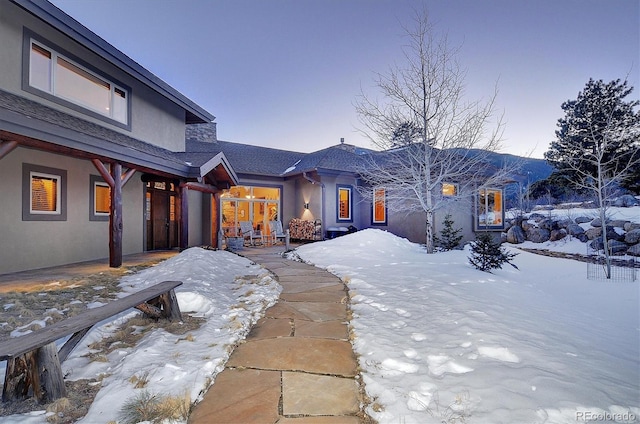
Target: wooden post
184,217
115,217
6,147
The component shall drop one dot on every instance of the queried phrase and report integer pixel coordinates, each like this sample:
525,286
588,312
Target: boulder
582,219
630,226
538,235
564,223
596,244
617,223
632,237
626,201
516,235
557,234
612,234
526,225
574,229
634,250
617,247
596,222
592,233
548,224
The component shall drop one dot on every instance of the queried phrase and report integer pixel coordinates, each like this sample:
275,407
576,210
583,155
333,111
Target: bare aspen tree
426,132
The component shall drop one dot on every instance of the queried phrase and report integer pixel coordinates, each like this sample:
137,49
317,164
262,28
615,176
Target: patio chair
276,232
249,234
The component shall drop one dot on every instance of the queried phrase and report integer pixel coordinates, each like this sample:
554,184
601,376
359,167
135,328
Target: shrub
487,254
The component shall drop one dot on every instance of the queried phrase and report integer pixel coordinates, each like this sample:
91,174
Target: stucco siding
39,244
153,118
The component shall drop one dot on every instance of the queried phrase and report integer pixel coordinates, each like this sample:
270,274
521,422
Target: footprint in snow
403,313
391,367
441,364
418,337
398,324
499,353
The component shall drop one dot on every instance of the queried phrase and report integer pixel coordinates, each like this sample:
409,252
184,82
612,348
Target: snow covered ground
438,341
229,291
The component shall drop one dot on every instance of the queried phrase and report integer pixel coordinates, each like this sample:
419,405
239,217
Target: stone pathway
297,364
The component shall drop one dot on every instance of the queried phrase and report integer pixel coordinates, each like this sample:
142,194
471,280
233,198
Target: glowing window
45,194
449,189
344,203
102,199
379,206
489,209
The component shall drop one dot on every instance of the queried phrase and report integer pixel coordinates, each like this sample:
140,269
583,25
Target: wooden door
160,219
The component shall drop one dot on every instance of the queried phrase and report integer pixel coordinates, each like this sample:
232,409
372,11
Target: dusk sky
286,73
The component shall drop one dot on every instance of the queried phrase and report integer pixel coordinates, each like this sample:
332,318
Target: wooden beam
115,217
204,188
6,147
127,175
104,172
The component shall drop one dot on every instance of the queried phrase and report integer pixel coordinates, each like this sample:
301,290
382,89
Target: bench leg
163,306
38,370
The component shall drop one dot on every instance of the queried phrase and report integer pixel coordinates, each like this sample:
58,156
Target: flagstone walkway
296,365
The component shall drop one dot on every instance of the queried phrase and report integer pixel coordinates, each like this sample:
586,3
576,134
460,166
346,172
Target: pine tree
487,254
450,237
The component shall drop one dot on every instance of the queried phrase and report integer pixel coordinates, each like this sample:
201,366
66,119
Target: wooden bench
33,360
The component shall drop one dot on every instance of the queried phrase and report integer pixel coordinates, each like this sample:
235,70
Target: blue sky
286,73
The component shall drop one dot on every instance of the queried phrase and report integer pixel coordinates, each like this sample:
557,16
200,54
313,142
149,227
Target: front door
162,220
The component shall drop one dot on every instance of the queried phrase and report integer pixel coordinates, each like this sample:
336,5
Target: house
92,149
325,187
100,158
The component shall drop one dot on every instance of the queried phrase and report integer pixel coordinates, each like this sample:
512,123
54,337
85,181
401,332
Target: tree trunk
429,232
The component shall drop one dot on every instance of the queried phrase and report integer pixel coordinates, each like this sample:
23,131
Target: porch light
306,205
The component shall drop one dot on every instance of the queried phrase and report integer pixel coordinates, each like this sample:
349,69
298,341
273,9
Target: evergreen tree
450,237
487,254
598,123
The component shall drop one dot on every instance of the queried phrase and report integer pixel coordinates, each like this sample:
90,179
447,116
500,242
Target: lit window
45,194
379,206
344,203
449,189
61,77
102,203
489,209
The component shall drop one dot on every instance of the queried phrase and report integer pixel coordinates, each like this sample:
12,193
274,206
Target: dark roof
25,117
244,158
342,157
81,34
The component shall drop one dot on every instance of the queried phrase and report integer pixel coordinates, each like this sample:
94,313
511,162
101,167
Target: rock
516,235
548,224
632,237
582,219
574,229
618,223
634,250
596,244
526,225
612,234
558,234
626,201
630,226
564,223
617,247
582,237
596,222
538,235
592,233
537,216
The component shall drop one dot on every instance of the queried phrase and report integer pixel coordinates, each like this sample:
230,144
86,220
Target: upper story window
61,77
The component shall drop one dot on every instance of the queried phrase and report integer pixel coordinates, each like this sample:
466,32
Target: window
62,78
249,203
100,199
490,209
344,203
379,206
449,189
43,193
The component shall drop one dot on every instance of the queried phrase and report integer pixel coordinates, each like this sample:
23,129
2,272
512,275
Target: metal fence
622,269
